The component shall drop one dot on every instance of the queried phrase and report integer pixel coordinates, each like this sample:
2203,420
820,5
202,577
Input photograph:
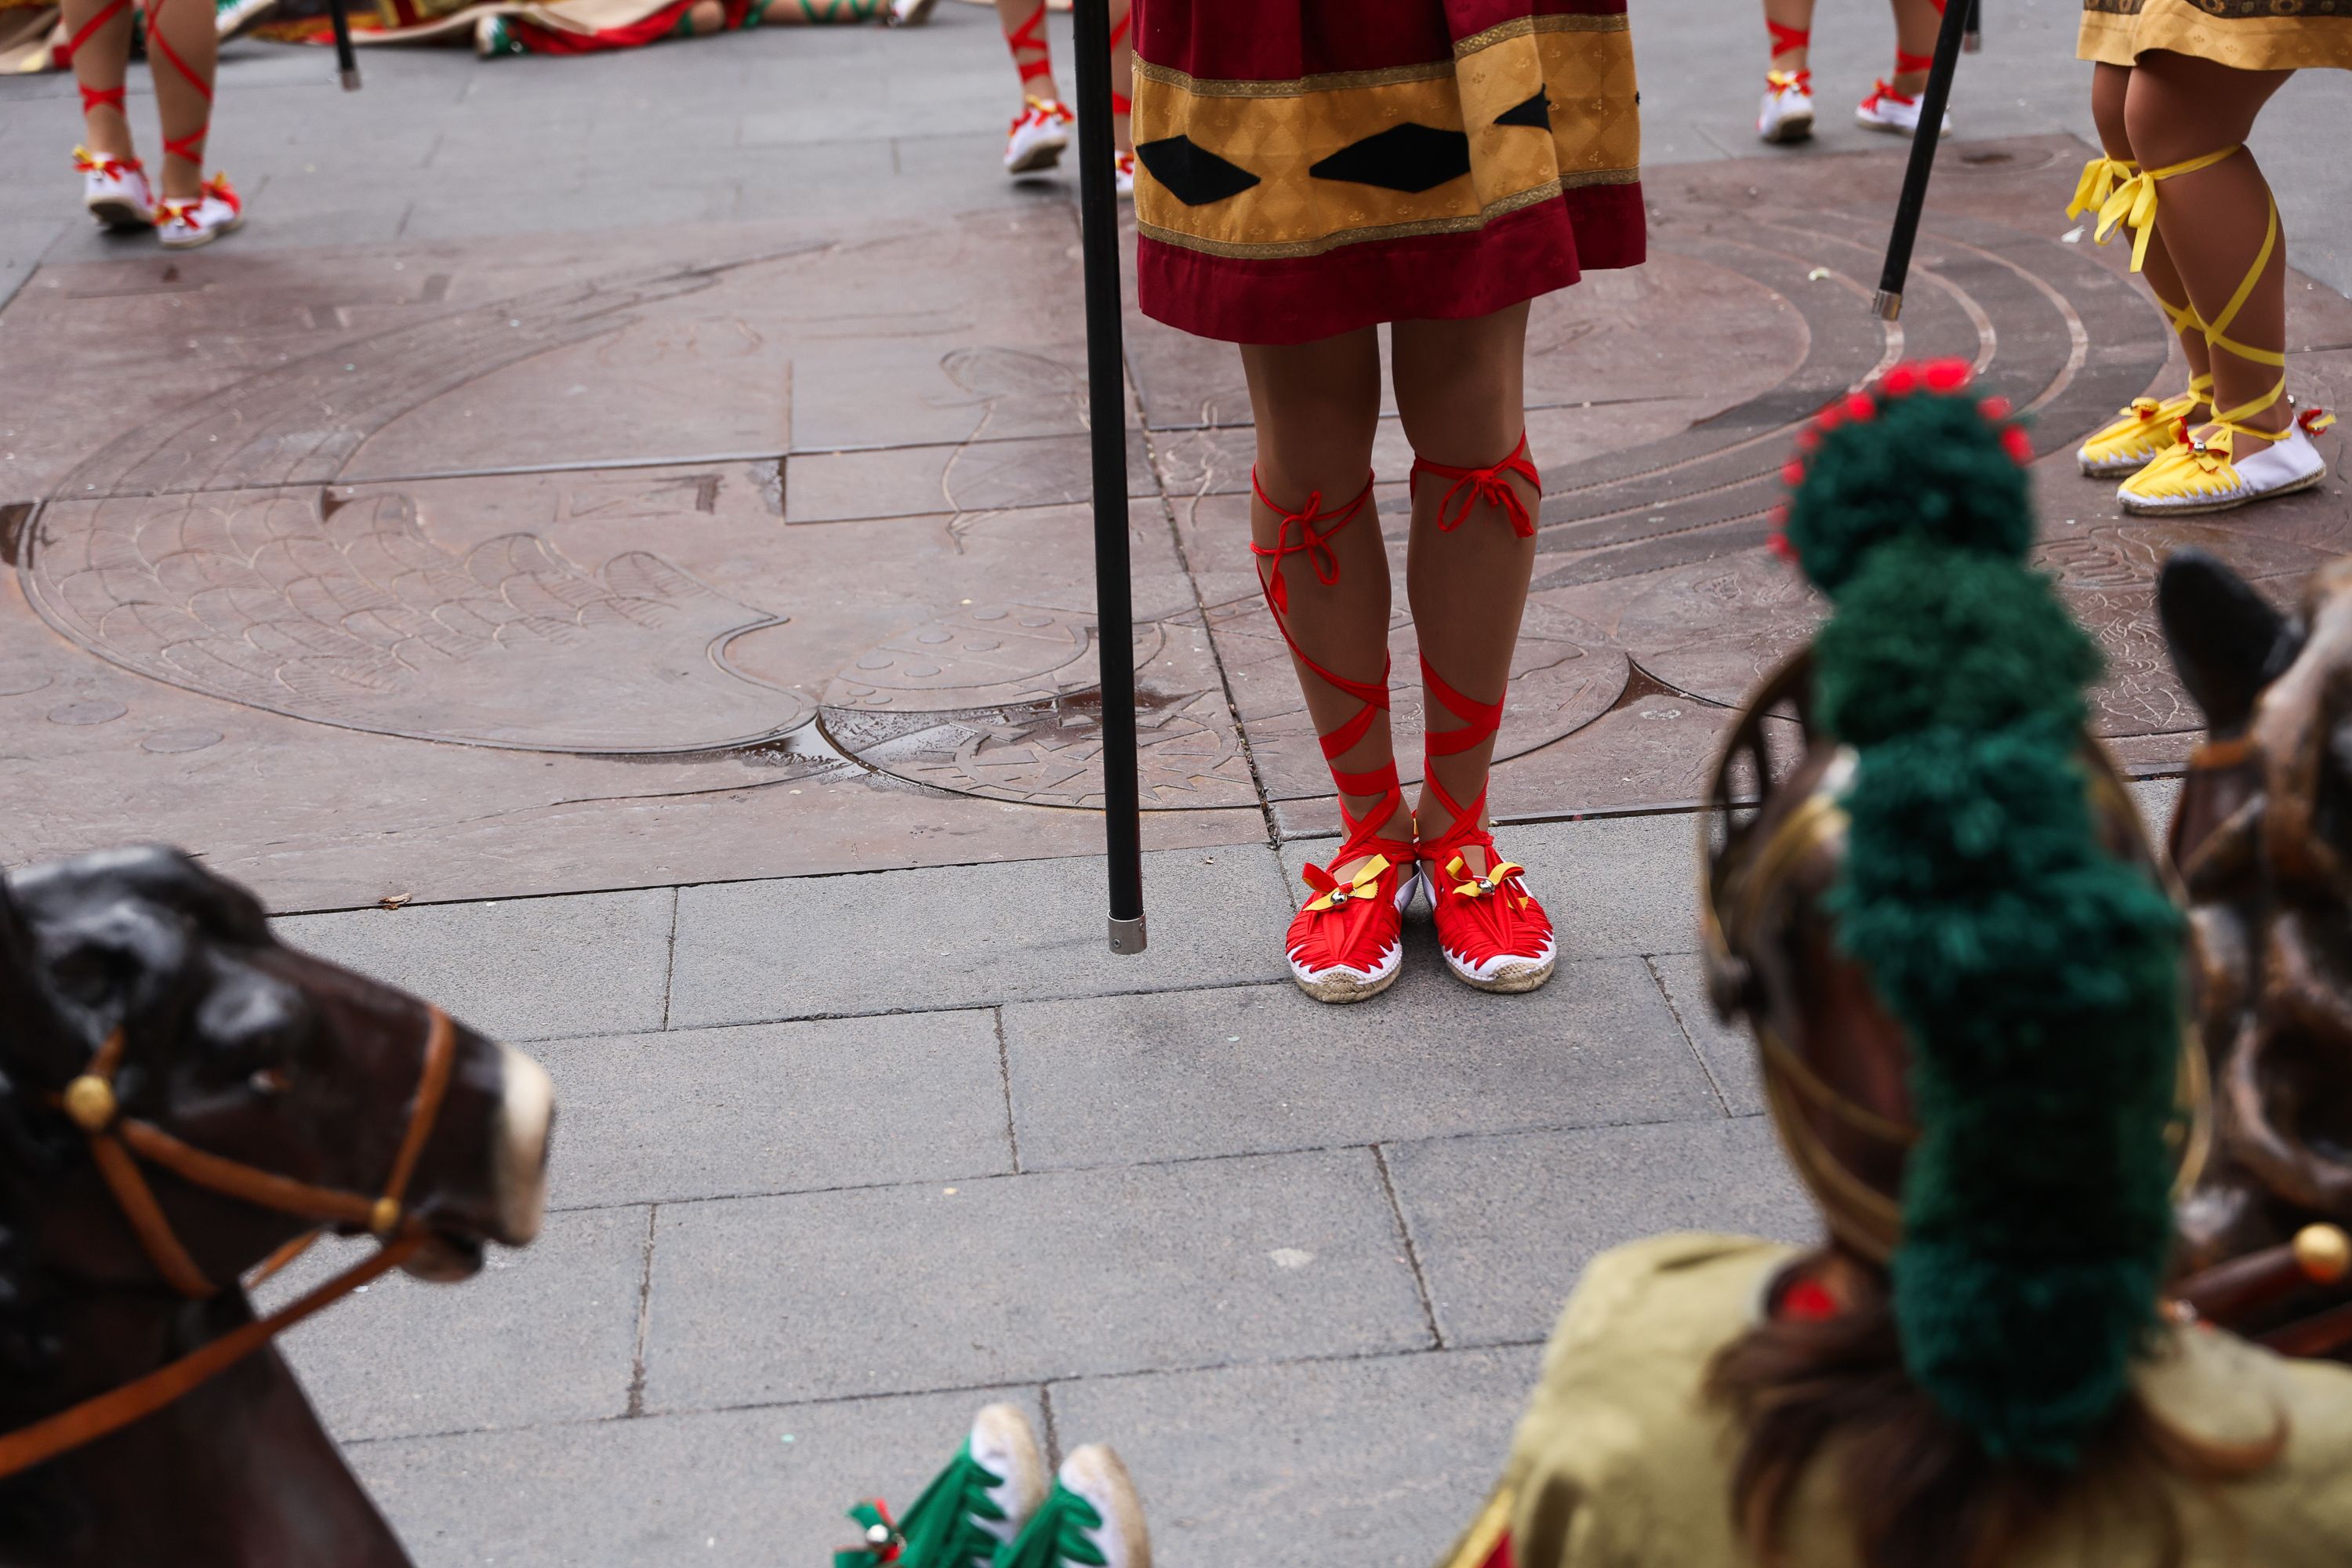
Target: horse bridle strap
120,1145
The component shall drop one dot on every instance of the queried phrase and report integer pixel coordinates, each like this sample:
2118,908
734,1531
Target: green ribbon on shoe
1057,1534
942,1529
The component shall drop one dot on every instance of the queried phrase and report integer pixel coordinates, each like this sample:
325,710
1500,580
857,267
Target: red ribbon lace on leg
1315,527
1491,485
66,53
1786,39
1027,37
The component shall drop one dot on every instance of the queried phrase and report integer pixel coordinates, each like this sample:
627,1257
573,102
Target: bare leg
1797,18
1024,33
100,63
1317,407
181,44
1460,393
1915,23
2109,84
2211,222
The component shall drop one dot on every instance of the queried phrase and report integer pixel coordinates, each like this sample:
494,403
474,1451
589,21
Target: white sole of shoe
2114,468
1044,155
1510,979
914,15
1339,990
116,213
2200,509
1095,1473
203,238
1795,128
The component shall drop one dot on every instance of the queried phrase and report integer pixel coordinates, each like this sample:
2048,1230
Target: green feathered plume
2037,975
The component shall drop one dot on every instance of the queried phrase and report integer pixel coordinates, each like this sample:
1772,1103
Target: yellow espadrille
2142,432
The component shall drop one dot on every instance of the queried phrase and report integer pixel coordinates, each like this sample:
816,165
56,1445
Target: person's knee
2109,87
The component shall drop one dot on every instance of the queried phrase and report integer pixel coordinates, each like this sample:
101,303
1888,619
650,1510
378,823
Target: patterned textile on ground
2249,35
1311,167
554,26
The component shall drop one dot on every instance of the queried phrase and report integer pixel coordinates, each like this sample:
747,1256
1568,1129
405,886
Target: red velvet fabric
1282,40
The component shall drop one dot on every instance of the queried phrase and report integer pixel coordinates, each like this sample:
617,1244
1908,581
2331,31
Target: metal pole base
1126,936
1886,306
351,80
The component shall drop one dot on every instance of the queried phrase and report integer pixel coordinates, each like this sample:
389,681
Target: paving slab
1021,1279
521,969
1502,1226
1728,1052
777,1108
1379,1461
545,1334
955,936
741,1488
1179,1074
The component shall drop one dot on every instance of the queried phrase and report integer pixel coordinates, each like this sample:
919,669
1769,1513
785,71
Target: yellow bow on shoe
1364,884
1469,886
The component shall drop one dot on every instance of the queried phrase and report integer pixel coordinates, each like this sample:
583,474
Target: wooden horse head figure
181,1098
2263,840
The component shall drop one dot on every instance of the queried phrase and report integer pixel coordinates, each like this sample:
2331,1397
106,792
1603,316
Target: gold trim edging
1462,223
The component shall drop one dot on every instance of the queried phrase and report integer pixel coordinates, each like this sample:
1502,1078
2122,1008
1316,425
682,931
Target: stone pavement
627,511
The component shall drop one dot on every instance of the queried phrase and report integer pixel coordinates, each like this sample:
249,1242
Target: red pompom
1793,475
1779,544
1994,409
1859,406
2015,442
1946,374
1808,440
1829,418
1901,381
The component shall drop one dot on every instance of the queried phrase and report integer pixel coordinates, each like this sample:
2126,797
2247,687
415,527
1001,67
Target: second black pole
1107,419
1924,140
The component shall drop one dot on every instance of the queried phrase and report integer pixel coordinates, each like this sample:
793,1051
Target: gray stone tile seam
1053,1428
1376,1147
1667,996
1185,1370
1411,1249
618,887
1004,1081
669,964
636,1407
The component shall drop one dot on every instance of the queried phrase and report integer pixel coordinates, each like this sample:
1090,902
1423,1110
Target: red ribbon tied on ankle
1490,486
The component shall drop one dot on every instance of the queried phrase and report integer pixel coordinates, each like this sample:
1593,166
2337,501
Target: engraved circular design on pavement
204,549
1005,701
171,742
91,711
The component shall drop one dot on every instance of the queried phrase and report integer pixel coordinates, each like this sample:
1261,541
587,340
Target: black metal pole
1974,41
347,59
1889,302
1107,415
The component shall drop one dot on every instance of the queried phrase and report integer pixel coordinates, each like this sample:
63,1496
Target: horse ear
32,1040
2227,643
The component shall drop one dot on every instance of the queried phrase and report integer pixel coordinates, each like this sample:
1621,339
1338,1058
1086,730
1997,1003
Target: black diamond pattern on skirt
1410,157
1193,174
1536,112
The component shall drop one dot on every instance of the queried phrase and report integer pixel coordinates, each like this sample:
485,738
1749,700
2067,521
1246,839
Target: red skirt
1309,167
